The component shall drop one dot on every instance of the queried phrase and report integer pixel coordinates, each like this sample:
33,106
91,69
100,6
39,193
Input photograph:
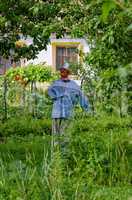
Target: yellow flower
20,44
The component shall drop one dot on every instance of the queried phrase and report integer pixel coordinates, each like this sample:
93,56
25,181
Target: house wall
46,56
5,64
49,55
43,56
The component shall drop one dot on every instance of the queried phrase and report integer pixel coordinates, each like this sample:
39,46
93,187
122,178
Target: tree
105,24
34,18
107,27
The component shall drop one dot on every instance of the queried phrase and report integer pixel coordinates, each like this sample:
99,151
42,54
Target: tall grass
94,164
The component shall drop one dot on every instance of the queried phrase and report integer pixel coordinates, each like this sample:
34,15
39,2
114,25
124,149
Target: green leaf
129,28
35,11
107,6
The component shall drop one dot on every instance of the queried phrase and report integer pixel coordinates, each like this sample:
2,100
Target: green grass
94,164
25,126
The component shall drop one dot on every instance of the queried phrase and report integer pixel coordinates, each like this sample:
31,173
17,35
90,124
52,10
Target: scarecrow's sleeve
54,91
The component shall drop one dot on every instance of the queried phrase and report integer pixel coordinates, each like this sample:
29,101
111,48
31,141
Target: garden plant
95,161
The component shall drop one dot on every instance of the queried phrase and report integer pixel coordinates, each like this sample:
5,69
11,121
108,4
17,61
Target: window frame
66,47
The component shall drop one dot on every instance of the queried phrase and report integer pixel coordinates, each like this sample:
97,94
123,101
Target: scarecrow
65,94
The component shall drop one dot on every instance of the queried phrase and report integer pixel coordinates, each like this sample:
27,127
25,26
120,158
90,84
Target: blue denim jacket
65,95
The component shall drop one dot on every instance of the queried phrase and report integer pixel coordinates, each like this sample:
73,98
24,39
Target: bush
99,150
25,126
95,164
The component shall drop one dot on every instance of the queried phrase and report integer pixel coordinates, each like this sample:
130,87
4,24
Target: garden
95,161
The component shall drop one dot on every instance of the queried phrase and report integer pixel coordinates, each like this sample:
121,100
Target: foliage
23,90
24,126
88,78
94,161
110,48
95,164
24,19
30,73
34,20
110,43
114,90
99,150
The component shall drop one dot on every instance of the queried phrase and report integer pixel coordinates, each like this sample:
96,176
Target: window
64,54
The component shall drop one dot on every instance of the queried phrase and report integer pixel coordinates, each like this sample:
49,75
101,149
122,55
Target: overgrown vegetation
94,160
23,91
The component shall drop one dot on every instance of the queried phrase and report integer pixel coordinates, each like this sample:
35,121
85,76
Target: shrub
40,73
95,164
24,126
99,150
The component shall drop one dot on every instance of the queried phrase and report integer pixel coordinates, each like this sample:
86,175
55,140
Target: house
61,50
58,51
5,64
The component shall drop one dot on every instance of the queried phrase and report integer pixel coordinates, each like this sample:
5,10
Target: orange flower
17,77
